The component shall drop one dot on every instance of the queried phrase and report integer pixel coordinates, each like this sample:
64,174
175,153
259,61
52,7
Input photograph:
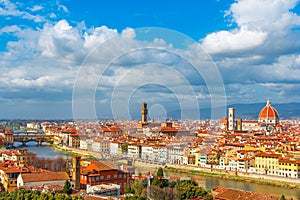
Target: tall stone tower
144,113
76,171
231,119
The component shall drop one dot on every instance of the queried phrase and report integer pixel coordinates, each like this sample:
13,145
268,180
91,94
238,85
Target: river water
206,182
43,151
212,182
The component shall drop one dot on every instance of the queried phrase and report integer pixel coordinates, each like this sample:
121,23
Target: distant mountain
244,111
251,111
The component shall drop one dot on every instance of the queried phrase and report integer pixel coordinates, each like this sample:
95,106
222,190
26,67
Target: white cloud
52,15
98,35
36,8
249,56
10,29
10,9
128,33
60,41
261,52
62,7
261,24
297,60
236,40
264,14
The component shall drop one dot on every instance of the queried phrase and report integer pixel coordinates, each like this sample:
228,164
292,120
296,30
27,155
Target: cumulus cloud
259,53
261,24
264,14
98,35
128,33
236,40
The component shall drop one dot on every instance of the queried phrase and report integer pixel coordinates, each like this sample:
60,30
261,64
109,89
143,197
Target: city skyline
254,45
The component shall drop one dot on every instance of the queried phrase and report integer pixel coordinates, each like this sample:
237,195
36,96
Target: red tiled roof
268,112
224,193
44,176
262,154
101,166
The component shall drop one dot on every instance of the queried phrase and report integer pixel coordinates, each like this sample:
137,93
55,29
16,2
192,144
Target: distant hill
251,111
244,111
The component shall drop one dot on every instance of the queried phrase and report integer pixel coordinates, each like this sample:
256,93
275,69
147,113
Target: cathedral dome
268,114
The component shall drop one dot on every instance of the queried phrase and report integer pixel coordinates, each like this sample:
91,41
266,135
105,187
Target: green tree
190,189
128,189
137,187
124,148
208,197
135,197
158,180
160,172
282,197
67,187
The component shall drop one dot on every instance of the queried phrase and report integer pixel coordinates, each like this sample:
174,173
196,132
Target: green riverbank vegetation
163,189
236,178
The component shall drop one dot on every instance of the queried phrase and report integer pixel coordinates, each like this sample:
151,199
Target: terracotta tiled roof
15,169
45,176
102,166
221,192
272,155
268,112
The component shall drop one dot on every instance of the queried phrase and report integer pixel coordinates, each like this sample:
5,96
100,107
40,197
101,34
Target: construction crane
173,178
148,177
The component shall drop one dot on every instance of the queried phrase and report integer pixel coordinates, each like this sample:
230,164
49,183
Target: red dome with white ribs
268,114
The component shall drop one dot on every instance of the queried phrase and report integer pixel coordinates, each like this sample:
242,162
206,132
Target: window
120,175
101,177
108,176
115,176
124,184
124,175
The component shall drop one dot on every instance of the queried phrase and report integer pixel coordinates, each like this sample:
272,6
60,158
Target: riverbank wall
237,176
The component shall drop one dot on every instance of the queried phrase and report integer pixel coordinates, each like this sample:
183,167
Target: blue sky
254,44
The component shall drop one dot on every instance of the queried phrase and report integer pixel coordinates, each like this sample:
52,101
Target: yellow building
267,163
74,140
289,168
9,175
250,148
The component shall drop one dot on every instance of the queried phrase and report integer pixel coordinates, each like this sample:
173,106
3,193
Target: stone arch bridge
25,136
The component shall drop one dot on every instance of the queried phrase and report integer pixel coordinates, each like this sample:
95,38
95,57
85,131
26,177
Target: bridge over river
25,136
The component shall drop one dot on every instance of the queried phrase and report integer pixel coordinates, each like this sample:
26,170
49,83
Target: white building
134,151
86,144
175,153
100,146
114,148
147,153
160,153
33,125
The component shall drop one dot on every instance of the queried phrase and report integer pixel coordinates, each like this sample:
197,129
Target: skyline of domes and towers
268,119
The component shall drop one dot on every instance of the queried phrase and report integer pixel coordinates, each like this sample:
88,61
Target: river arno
43,151
206,182
212,182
